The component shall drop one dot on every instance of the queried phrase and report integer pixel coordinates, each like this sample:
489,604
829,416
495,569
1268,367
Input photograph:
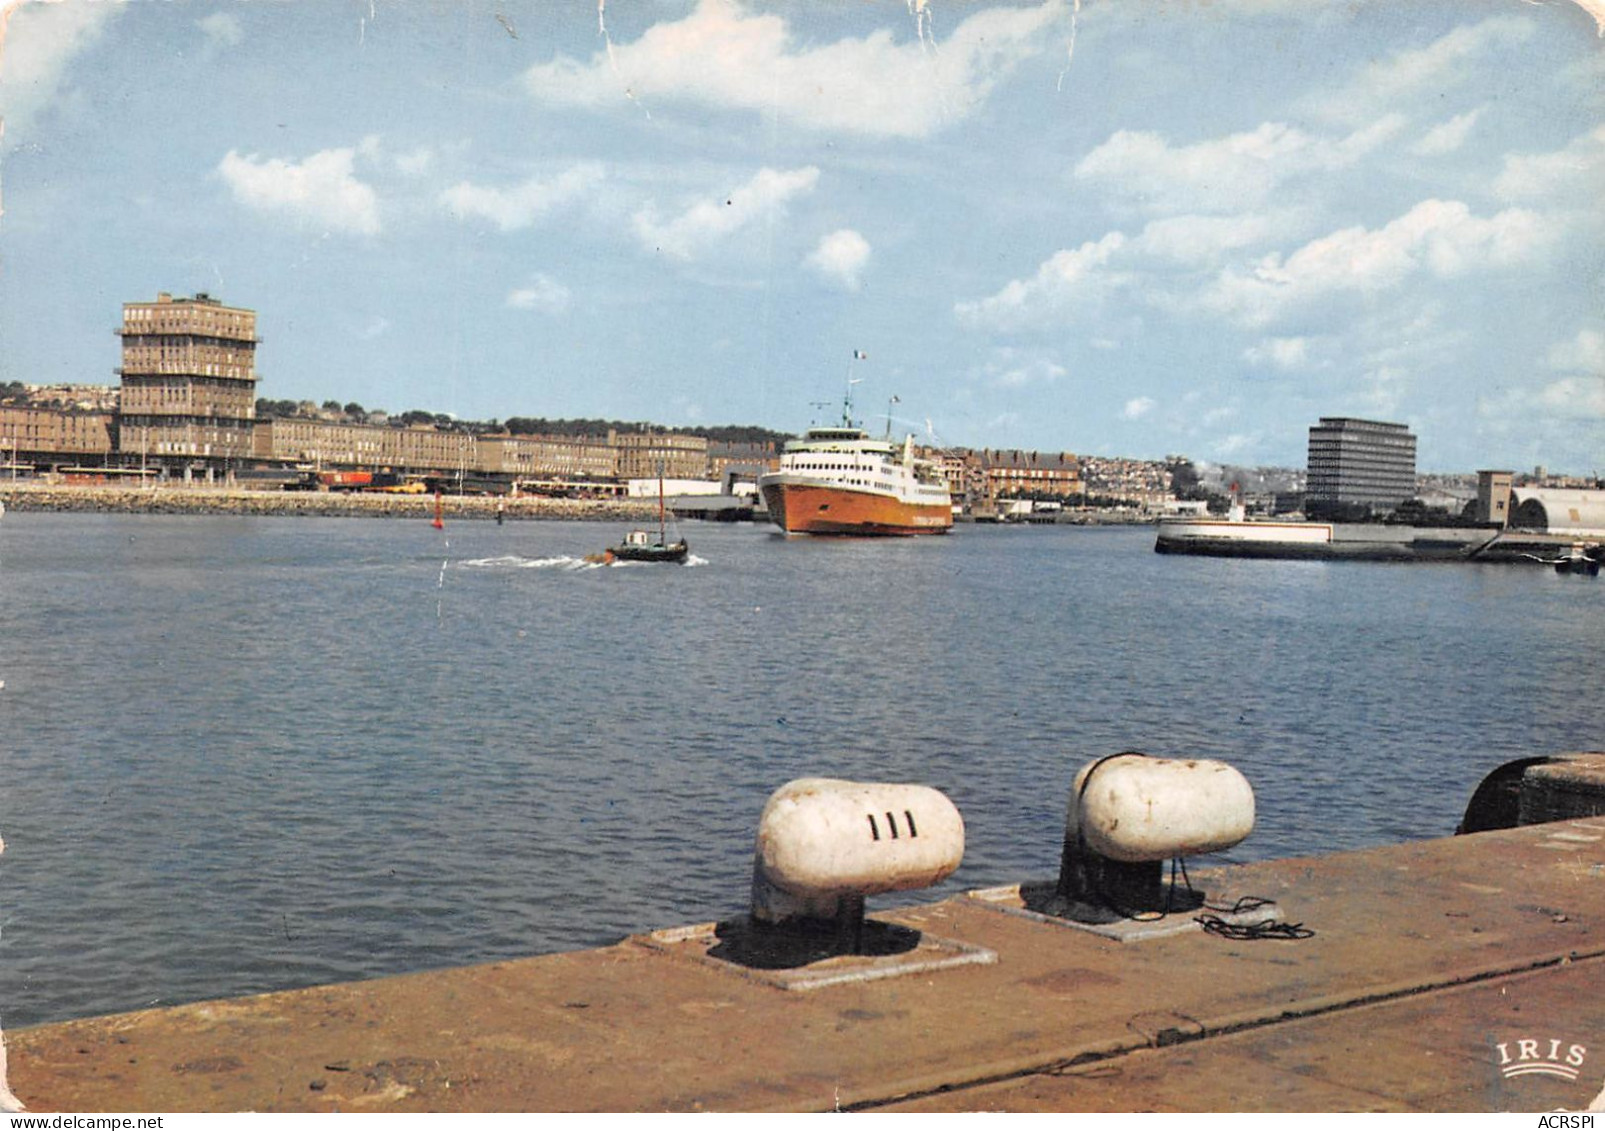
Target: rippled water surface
246,754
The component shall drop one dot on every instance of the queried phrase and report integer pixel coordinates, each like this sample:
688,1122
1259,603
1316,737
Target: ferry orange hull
801,508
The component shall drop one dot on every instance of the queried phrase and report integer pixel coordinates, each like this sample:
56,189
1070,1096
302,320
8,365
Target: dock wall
1568,788
1455,974
1361,542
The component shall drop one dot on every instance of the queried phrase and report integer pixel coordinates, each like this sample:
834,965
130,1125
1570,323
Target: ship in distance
838,480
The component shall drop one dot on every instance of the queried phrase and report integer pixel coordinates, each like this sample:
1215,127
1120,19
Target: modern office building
1359,465
188,397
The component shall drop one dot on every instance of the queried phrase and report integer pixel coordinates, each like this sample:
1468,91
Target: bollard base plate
793,959
1040,902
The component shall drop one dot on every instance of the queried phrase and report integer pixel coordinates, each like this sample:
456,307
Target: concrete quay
1458,974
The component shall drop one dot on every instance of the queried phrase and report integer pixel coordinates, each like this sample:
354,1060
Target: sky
1120,229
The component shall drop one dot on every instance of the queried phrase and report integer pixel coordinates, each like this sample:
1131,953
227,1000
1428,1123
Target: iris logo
1528,1057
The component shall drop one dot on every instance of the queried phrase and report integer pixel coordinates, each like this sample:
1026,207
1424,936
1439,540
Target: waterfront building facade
554,458
188,395
978,474
46,437
1012,473
962,470
315,443
326,443
644,455
426,449
744,460
423,447
1359,464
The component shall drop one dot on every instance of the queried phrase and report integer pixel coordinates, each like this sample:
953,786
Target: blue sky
1129,228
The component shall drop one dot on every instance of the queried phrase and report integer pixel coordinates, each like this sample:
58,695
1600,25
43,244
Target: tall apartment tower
188,382
1359,464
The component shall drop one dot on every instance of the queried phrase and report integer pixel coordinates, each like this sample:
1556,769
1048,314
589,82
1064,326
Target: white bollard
825,844
1128,813
1133,808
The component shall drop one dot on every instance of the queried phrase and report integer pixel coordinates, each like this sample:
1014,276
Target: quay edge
1316,541
1440,975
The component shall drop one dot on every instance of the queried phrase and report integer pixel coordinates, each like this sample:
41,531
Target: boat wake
561,561
624,563
690,560
515,561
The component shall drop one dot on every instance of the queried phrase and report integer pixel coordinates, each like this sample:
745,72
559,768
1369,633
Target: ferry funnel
825,844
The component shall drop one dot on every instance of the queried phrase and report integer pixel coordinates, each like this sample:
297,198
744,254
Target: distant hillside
517,425
722,433
1250,480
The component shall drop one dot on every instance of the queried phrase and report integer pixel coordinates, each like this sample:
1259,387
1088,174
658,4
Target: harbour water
241,754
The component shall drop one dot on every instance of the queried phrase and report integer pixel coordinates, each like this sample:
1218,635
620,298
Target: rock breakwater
219,500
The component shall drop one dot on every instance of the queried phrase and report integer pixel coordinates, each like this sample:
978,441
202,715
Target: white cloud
1137,408
522,205
725,57
544,294
321,190
1398,348
1435,240
1279,353
1446,137
1582,398
842,257
1065,279
706,223
1577,171
1582,354
38,43
1383,388
1410,76
1201,240
1438,238
415,163
222,29
1234,445
1226,174
1013,368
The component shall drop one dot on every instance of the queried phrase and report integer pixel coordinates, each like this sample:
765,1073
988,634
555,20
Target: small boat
641,546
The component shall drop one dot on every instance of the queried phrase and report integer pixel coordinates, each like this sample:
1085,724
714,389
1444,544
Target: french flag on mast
860,355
